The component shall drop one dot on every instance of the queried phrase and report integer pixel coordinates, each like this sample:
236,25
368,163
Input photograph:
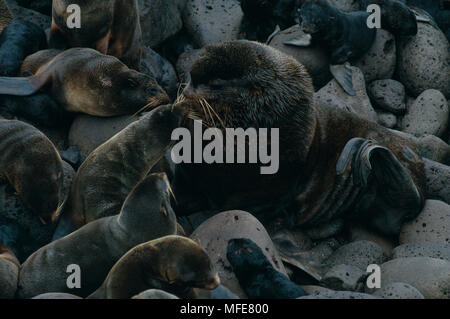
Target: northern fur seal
19,39
5,15
174,264
146,214
9,273
345,36
109,173
110,27
324,171
256,274
32,165
114,89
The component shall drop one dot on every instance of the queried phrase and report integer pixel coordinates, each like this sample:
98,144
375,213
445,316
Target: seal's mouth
213,284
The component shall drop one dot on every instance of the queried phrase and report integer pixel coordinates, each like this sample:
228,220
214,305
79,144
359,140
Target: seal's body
109,173
174,264
114,89
111,27
32,165
145,215
324,171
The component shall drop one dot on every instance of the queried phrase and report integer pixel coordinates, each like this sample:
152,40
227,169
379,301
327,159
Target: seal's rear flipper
344,76
274,33
17,86
304,40
397,198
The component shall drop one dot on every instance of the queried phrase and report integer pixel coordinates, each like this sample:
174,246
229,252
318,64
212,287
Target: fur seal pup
174,264
114,89
32,165
5,15
256,274
109,173
19,39
345,36
110,27
146,214
331,163
9,273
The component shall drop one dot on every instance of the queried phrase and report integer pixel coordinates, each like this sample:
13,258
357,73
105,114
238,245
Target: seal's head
247,84
315,16
188,264
242,253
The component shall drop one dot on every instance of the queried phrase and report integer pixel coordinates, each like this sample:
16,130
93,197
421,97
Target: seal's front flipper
303,40
423,16
17,86
397,198
274,33
344,76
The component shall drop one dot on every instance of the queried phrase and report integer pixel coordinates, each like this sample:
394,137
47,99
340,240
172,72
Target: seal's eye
132,83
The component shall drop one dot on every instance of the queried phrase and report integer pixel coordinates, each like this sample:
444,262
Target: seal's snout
214,283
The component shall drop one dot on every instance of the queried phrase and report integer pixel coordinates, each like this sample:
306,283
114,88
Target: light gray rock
424,61
432,225
317,292
160,19
430,276
56,296
29,15
215,233
9,273
213,21
399,290
315,59
344,278
362,233
89,132
428,115
332,94
388,95
155,294
426,249
386,119
359,254
438,179
379,62
159,68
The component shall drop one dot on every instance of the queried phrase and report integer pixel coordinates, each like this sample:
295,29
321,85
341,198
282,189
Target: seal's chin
213,284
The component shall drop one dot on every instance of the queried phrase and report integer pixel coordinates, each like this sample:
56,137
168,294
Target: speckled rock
315,59
438,179
434,148
361,233
427,115
432,225
332,94
317,292
40,19
379,62
386,119
9,273
212,21
56,296
427,249
399,290
388,95
344,278
155,294
358,254
89,132
215,233
428,275
20,229
424,61
160,19
159,68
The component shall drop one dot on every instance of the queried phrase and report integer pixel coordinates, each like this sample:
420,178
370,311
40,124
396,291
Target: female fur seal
174,264
331,162
9,273
114,168
113,88
32,165
111,27
146,214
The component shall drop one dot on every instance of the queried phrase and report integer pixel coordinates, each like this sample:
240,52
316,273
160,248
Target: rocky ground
403,84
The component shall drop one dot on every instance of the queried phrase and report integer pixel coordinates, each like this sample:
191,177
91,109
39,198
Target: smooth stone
155,294
388,95
399,290
361,233
57,296
432,225
38,18
438,179
386,119
215,233
344,278
428,115
426,249
9,273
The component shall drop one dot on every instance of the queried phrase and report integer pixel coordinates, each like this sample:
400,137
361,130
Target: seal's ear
24,86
